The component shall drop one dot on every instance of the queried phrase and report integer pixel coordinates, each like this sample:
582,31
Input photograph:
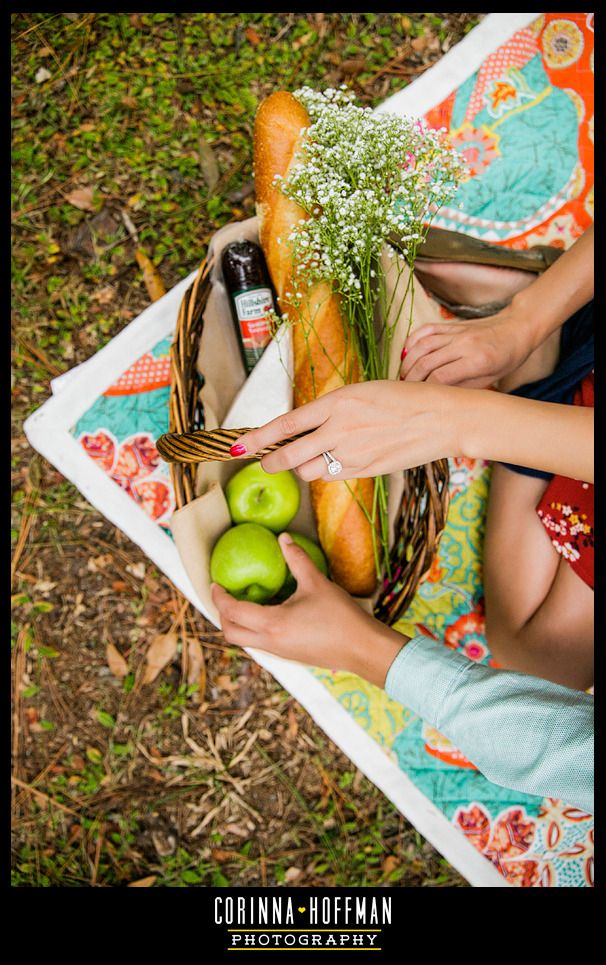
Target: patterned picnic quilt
524,121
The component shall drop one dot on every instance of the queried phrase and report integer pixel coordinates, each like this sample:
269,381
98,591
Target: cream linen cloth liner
230,400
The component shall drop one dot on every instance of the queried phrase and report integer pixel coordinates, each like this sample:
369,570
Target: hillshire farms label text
252,309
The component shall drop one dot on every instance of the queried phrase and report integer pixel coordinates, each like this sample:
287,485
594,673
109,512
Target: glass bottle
251,298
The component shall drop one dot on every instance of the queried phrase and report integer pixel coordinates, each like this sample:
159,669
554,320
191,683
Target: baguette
323,359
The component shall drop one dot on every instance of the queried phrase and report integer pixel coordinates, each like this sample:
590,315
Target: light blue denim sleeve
521,732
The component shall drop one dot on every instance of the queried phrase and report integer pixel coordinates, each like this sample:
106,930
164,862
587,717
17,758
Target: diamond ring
334,466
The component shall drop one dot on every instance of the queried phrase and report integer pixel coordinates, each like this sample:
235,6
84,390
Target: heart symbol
302,910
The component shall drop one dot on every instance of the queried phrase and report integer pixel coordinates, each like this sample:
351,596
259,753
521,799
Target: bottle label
252,308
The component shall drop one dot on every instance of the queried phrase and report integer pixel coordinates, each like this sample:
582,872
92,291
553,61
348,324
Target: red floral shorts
566,509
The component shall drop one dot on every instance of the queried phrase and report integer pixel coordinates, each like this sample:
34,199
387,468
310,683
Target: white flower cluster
360,176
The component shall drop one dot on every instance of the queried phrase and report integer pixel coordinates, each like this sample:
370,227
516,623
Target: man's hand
320,625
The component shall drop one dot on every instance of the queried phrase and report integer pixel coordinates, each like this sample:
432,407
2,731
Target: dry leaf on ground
137,570
81,198
116,662
238,830
208,163
354,65
221,854
302,41
162,650
151,276
419,43
42,74
196,669
390,864
104,295
252,36
293,724
143,882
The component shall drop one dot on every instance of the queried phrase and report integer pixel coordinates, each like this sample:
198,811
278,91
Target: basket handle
205,445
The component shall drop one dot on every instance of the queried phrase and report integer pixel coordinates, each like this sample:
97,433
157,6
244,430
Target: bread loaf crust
323,356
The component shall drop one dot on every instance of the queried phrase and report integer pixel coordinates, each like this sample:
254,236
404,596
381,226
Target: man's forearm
520,732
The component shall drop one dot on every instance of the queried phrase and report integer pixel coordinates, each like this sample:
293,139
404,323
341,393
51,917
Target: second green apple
270,499
316,556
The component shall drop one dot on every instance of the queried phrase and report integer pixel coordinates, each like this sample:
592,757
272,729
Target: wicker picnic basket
422,512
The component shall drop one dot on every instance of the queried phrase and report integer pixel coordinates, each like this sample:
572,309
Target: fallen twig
18,673
100,838
42,774
27,519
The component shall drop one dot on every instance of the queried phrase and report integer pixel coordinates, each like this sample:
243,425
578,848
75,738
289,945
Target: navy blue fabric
575,362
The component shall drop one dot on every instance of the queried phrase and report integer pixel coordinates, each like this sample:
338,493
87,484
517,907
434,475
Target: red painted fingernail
237,450
404,353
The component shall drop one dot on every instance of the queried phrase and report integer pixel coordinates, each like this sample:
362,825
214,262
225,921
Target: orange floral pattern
479,147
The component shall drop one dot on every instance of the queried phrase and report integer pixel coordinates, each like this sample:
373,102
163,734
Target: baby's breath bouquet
363,179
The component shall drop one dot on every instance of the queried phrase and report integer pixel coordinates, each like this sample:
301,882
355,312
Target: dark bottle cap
243,265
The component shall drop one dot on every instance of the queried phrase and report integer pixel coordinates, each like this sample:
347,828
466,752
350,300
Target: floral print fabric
566,510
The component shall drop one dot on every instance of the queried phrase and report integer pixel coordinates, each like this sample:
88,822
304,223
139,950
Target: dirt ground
210,774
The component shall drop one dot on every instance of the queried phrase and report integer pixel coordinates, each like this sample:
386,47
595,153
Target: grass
117,781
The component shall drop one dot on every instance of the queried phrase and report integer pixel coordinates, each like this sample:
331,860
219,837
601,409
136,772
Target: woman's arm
374,428
479,353
560,291
540,435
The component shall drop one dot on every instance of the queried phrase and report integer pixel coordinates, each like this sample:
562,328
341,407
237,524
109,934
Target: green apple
247,561
315,554
256,496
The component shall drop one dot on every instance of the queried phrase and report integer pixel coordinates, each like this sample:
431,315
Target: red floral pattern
525,849
506,842
566,510
101,448
130,465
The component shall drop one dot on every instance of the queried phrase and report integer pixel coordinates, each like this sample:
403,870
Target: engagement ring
334,466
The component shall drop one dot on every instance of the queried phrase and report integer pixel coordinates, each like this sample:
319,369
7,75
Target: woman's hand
319,625
471,354
372,428
477,354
